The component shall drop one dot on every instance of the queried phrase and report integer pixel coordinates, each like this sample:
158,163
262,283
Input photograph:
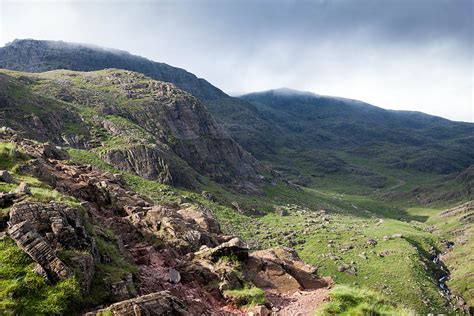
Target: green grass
358,301
10,157
23,292
248,296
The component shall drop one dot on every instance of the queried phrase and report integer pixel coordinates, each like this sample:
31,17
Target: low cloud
398,54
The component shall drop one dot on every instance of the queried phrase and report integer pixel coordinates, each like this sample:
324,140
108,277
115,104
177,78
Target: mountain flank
137,124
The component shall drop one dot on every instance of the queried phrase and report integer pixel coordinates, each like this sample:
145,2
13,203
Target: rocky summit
131,187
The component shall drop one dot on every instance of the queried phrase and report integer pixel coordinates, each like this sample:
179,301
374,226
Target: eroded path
300,303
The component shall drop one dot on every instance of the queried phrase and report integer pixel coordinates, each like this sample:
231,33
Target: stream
437,259
444,277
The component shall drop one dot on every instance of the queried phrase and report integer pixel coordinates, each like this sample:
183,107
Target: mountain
39,56
123,194
320,135
313,140
133,122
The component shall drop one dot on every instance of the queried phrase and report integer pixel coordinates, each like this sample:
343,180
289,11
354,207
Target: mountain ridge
39,56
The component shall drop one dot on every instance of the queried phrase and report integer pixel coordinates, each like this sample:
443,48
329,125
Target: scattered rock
363,255
208,195
371,242
397,235
343,267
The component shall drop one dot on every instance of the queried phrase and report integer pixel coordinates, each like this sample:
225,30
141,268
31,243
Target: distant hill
320,135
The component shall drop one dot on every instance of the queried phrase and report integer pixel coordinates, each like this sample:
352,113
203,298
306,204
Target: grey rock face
40,228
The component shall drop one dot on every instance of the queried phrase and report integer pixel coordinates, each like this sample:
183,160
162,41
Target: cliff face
133,122
39,56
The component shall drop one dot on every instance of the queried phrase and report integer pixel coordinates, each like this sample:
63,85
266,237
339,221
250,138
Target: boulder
371,242
175,276
282,270
235,246
7,199
208,195
203,217
23,188
154,304
54,152
6,177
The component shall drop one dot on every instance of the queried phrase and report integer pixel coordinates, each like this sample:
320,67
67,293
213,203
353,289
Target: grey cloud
401,54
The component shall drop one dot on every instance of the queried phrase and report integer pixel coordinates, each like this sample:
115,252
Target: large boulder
54,152
282,270
233,247
6,177
202,216
154,304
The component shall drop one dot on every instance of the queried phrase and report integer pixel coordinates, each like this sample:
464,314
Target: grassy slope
351,301
404,270
459,259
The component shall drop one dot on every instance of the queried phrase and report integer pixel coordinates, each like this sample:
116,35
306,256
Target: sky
396,54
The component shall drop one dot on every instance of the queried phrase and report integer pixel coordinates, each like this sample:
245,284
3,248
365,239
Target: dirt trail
300,303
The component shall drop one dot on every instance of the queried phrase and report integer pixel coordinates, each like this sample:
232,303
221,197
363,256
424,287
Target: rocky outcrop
281,270
154,304
40,229
39,250
178,248
150,162
39,117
